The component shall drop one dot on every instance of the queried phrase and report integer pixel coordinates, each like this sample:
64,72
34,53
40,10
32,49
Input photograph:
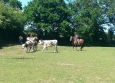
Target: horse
75,42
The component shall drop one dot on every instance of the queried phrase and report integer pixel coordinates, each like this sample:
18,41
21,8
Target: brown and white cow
28,45
47,43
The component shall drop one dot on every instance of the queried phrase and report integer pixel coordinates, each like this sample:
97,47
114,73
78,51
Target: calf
47,43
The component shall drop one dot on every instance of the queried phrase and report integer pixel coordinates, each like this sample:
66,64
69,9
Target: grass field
92,65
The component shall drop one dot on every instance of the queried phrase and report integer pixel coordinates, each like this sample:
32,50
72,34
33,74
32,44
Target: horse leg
80,48
73,46
81,45
76,47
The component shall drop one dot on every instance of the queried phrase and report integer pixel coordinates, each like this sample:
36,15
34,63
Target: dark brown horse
75,42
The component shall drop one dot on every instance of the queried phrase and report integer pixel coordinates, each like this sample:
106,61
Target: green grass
92,65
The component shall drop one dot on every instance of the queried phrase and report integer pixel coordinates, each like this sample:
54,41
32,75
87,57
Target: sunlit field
92,65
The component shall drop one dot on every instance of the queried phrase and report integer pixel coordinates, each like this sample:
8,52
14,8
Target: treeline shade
11,22
58,18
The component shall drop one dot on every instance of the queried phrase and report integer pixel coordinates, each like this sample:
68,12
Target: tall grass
92,65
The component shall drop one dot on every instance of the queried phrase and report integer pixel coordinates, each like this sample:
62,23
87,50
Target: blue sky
24,2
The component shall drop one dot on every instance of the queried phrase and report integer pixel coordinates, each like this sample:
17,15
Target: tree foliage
13,3
11,22
51,16
88,16
57,18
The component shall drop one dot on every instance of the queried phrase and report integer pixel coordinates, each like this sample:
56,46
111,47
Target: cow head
23,46
41,42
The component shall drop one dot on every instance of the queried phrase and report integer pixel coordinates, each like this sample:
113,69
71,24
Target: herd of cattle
32,44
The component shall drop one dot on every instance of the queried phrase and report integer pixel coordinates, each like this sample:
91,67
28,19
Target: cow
28,45
47,43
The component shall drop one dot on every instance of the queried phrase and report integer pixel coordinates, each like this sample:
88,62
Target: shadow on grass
22,58
7,44
25,58
50,52
60,43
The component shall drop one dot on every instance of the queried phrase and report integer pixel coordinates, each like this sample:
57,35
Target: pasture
92,65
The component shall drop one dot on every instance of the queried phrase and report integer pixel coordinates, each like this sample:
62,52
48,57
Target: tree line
58,19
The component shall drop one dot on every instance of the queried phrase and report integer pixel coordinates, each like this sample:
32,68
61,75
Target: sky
24,2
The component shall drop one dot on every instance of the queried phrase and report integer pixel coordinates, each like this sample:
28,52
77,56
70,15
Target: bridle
71,38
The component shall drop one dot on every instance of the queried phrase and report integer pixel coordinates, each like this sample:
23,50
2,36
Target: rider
77,37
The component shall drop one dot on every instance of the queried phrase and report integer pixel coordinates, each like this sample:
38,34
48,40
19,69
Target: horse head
71,38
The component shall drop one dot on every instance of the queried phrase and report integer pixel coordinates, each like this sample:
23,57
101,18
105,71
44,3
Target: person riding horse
76,40
77,37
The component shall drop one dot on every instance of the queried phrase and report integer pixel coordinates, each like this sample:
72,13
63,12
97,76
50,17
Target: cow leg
26,49
55,50
29,49
35,48
36,45
46,49
43,48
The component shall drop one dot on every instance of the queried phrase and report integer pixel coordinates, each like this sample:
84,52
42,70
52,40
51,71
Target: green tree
88,16
11,22
50,16
13,3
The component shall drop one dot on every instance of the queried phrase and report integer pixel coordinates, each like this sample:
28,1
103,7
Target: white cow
47,43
